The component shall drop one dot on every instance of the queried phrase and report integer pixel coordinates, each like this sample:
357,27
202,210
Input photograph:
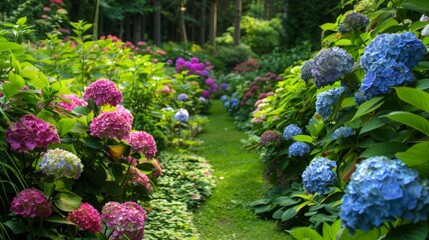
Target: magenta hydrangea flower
209,81
142,142
31,203
140,178
127,219
103,92
125,113
110,125
205,94
30,133
86,217
75,101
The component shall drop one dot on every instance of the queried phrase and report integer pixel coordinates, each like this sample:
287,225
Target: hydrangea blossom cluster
306,70
342,132
387,61
86,217
194,66
182,97
325,101
125,113
319,175
290,131
127,219
74,101
202,99
224,86
30,133
182,115
224,98
270,137
299,149
140,178
329,65
61,163
110,125
31,203
383,190
142,142
103,92
352,22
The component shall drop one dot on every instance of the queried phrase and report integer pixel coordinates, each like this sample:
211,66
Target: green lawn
226,214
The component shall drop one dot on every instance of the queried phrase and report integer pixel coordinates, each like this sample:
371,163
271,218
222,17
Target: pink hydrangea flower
75,101
110,125
140,178
86,217
125,113
103,92
30,133
127,219
142,142
158,169
31,203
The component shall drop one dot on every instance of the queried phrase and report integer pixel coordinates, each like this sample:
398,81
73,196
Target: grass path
226,215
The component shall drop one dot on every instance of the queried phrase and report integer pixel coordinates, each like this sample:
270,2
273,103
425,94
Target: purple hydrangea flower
299,149
202,99
270,137
224,86
354,21
205,94
306,71
137,177
103,92
182,97
290,131
319,175
209,81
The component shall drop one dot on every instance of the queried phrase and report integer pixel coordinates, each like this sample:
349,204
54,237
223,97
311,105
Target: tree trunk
237,29
157,23
182,26
203,24
137,27
213,22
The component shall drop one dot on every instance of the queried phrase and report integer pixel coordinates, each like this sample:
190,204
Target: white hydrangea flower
61,163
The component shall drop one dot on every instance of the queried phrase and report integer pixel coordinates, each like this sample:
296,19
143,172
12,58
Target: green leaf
330,231
289,213
12,87
359,235
413,231
387,149
348,102
303,138
7,46
329,26
57,219
82,110
423,84
16,226
285,201
67,201
416,157
65,125
415,97
371,125
417,5
382,27
315,127
263,209
410,119
305,233
368,107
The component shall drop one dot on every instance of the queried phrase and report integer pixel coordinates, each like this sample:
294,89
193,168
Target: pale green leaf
415,97
416,157
305,233
303,138
410,119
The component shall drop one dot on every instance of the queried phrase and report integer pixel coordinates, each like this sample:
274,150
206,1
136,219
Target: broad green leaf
348,102
329,26
415,97
289,213
416,157
368,107
35,78
12,87
305,233
278,213
315,126
65,125
413,231
263,209
423,84
330,231
410,119
7,46
285,201
16,226
387,149
388,23
58,219
417,5
82,110
303,138
67,201
359,235
371,125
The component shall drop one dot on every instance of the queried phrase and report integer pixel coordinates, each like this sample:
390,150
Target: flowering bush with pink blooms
86,217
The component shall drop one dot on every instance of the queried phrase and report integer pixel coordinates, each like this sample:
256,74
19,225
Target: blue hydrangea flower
354,21
290,131
388,61
227,104
319,175
306,70
234,102
182,97
202,99
342,132
325,101
329,65
383,190
182,115
298,149
224,98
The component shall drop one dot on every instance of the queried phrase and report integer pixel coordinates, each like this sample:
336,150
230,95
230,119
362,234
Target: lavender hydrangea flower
182,115
319,175
202,99
383,190
224,86
299,149
424,18
290,131
388,61
329,65
61,163
103,92
325,101
182,97
342,132
270,137
352,22
306,71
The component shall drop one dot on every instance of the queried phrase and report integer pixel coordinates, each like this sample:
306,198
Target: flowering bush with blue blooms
325,101
290,131
354,21
388,61
329,65
182,115
383,190
342,132
319,175
306,71
299,149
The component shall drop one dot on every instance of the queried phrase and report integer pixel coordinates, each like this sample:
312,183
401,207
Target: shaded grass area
227,214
